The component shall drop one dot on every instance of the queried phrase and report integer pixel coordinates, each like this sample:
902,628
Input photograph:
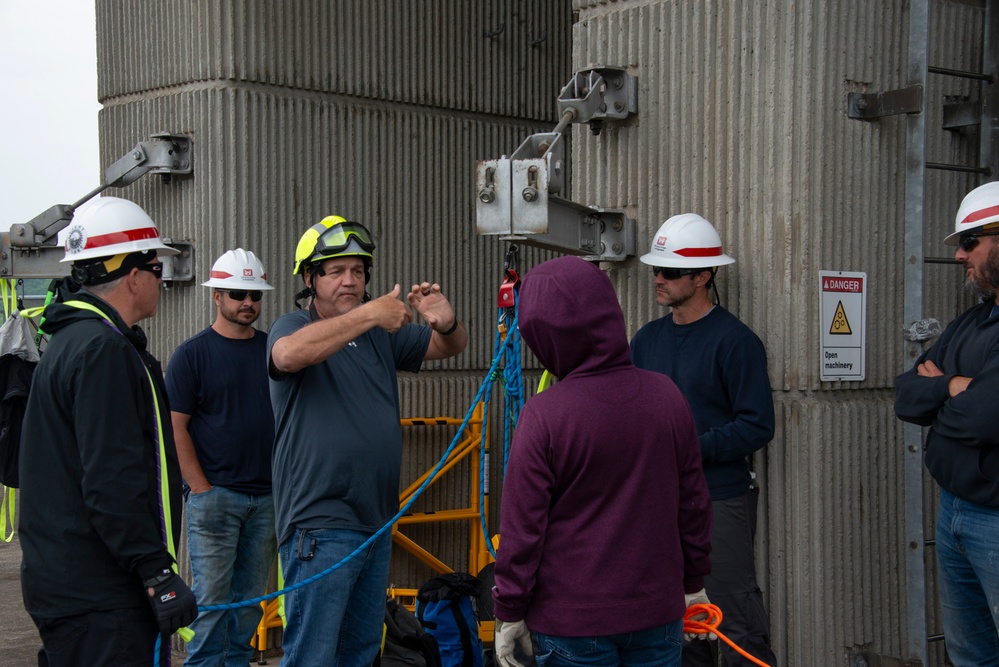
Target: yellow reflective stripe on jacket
164,479
7,513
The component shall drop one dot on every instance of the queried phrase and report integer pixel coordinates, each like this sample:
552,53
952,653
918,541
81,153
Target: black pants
117,638
732,587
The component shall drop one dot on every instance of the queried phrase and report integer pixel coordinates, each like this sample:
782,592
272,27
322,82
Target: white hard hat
109,226
238,269
686,241
980,208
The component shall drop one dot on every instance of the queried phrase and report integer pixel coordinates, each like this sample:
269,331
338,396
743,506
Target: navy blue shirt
720,365
222,383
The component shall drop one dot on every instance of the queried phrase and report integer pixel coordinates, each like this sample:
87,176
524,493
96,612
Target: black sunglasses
970,242
241,294
671,273
155,269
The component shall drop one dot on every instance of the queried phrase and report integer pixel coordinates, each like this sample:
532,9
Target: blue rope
487,383
506,348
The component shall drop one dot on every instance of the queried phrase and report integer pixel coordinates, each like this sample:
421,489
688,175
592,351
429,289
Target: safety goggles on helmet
337,239
241,294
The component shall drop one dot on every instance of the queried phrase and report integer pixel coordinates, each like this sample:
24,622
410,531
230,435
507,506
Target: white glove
507,637
700,597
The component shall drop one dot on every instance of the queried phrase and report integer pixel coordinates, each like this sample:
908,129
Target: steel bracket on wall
516,200
871,106
30,250
44,261
595,95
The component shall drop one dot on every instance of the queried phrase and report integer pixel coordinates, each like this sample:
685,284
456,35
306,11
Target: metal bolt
136,155
617,248
19,230
486,196
619,106
530,194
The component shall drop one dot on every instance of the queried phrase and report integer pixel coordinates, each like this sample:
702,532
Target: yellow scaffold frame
478,556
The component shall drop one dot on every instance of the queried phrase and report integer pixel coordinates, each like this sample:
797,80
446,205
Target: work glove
509,636
700,597
173,602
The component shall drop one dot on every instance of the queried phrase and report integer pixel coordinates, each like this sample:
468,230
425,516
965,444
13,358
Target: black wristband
454,327
153,582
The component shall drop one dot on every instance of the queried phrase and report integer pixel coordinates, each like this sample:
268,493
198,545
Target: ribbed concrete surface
742,118
379,110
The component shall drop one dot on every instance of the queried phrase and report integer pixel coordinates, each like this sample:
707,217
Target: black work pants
732,587
116,638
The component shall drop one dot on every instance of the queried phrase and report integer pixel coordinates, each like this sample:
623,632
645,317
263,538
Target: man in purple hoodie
605,517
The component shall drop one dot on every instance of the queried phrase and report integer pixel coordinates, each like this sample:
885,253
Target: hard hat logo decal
247,273
661,241
77,239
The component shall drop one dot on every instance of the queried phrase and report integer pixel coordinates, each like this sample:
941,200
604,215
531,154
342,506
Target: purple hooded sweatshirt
605,520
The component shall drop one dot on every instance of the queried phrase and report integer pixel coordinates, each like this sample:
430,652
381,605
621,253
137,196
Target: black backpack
406,643
445,606
15,381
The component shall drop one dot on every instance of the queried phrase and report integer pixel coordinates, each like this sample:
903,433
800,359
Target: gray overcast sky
48,116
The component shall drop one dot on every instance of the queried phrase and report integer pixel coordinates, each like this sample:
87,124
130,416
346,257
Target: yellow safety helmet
333,236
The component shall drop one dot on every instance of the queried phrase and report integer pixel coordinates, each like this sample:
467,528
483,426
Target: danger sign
843,323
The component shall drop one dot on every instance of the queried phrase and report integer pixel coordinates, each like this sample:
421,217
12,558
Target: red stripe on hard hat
121,237
699,252
975,216
221,274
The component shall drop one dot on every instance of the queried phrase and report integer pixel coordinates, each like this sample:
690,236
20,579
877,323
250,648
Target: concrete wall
742,118
378,111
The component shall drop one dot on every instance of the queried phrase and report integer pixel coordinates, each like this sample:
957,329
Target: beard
236,316
984,281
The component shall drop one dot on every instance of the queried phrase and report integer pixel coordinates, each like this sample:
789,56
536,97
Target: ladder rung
959,167
961,74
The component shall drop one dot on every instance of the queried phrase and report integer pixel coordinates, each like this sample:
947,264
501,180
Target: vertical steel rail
915,160
989,128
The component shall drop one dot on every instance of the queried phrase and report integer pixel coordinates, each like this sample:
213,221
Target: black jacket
91,527
962,445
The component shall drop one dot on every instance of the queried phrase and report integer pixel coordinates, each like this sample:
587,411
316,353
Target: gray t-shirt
338,442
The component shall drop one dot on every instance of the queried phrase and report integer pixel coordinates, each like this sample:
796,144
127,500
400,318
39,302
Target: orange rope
710,624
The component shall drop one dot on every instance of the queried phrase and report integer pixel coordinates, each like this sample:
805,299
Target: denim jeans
968,570
655,647
337,619
230,537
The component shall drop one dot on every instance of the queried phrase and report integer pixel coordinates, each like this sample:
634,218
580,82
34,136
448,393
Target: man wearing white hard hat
100,483
224,427
720,366
951,388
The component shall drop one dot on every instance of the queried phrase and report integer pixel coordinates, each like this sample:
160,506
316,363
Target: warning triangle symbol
840,325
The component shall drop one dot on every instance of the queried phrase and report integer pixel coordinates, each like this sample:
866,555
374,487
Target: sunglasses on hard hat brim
338,237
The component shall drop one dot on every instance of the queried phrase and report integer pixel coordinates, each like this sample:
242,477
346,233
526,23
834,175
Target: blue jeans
656,647
968,570
337,619
230,537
